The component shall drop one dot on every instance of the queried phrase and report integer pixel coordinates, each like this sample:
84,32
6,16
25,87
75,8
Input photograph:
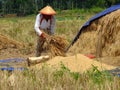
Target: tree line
25,7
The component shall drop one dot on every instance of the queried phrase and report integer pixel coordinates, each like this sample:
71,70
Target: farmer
44,24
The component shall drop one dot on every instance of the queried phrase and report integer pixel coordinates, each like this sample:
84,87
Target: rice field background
21,29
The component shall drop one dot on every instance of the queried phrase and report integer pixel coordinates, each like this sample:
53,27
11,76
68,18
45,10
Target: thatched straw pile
57,45
102,36
5,42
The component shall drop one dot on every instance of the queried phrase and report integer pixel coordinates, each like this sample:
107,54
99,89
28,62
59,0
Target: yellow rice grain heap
57,46
109,27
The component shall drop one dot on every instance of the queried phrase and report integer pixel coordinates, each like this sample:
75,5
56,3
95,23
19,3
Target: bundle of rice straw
102,34
57,45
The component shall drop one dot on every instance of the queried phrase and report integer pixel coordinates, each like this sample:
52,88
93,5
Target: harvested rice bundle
57,46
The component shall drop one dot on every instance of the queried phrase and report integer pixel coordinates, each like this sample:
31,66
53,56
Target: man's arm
37,25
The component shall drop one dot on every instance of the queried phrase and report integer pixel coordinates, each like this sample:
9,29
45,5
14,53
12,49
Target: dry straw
101,37
57,45
5,42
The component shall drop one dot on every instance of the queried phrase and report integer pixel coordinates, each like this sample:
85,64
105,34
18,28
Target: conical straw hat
48,11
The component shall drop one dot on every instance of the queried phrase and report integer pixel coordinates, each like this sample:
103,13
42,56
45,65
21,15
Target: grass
46,78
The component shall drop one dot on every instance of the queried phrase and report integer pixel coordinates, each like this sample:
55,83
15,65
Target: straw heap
5,42
109,28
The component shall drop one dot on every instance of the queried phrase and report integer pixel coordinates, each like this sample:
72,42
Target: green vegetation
26,7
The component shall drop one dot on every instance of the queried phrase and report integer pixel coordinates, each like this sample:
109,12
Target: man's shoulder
38,14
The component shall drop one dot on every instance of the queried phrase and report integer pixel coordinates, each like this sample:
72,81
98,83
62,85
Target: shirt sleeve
53,25
37,25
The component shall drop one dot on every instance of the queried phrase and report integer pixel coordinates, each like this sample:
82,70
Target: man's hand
43,35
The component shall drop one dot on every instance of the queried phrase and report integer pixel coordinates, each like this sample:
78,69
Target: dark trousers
39,46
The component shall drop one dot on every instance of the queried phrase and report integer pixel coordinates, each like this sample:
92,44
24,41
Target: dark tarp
97,16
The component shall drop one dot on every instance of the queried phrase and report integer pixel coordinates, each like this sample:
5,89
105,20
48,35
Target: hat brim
48,11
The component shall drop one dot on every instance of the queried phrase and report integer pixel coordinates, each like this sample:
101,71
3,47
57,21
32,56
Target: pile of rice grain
76,63
109,28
